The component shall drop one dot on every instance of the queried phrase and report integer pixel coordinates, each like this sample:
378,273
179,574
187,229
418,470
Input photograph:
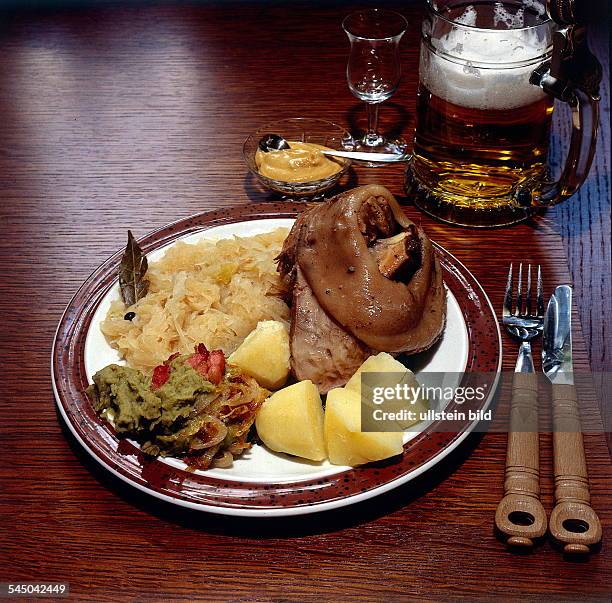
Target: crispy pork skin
363,278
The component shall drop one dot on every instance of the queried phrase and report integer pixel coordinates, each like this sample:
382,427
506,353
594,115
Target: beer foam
469,76
501,15
537,7
468,17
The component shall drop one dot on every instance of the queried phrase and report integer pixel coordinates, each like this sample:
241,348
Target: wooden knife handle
520,516
573,522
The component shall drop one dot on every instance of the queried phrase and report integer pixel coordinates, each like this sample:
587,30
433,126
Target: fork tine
528,292
507,311
519,291
540,293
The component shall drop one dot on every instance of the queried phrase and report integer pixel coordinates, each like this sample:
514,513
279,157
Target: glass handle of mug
585,120
572,75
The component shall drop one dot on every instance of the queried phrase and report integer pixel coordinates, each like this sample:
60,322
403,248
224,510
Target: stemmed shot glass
373,70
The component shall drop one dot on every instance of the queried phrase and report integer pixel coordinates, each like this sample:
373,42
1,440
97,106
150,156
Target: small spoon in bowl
272,142
275,142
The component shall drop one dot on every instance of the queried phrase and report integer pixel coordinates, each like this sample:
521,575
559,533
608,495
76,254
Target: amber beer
477,155
482,126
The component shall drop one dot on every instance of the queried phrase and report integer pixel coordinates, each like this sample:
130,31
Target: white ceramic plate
252,485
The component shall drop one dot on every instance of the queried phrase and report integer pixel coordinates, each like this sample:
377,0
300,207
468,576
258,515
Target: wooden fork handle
573,522
520,516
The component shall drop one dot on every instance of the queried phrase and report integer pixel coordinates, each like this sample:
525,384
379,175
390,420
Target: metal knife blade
557,341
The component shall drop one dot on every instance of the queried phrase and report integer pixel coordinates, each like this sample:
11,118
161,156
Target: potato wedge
385,363
291,421
264,354
381,363
346,444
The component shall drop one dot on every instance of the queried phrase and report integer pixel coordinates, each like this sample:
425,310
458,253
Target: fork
520,516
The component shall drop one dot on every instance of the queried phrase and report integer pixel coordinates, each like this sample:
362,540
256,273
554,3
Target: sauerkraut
214,292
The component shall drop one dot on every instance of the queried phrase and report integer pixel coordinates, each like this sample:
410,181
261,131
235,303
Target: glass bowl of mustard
302,170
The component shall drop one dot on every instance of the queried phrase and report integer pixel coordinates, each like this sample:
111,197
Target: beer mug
484,110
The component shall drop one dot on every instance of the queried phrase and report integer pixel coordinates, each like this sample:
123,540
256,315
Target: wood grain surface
134,117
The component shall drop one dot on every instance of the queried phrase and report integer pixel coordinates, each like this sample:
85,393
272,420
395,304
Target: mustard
303,162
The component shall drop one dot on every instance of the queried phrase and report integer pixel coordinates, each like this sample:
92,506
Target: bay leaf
132,272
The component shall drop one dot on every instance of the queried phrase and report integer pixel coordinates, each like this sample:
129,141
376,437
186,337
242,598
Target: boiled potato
346,444
385,363
381,363
264,354
291,421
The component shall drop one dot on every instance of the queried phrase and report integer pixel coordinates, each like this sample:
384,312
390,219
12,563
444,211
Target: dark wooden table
111,118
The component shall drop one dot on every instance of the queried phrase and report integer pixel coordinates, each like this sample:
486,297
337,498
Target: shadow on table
279,527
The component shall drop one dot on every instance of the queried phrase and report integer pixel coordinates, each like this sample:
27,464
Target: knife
573,523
